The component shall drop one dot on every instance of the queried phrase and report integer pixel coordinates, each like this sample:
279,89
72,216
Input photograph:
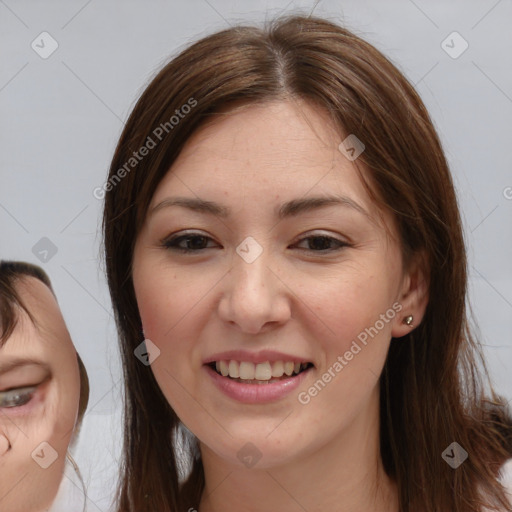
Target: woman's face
274,276
39,396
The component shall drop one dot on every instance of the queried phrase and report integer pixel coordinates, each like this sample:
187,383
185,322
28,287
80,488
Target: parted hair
434,387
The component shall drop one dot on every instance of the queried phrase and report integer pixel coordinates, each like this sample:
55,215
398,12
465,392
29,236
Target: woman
281,226
43,390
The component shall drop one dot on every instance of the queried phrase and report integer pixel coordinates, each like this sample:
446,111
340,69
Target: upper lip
255,357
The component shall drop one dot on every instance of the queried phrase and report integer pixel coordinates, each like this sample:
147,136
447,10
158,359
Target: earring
408,320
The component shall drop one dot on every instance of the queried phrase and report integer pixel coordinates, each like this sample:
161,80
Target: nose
5,445
254,296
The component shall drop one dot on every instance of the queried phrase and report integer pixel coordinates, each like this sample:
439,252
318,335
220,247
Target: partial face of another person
257,282
39,397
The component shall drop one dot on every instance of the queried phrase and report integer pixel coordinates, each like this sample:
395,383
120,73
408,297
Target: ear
413,296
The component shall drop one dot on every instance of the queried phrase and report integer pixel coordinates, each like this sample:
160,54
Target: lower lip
256,393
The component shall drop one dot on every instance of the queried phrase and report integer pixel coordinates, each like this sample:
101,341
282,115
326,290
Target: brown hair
431,389
10,273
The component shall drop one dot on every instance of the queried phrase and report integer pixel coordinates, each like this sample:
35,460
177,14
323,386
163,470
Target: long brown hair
431,388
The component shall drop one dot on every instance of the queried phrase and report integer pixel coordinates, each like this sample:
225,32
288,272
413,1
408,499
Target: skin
50,415
293,298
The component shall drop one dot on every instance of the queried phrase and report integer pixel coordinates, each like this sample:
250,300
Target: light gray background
61,117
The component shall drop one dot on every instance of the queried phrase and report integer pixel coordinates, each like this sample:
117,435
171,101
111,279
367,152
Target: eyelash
172,243
17,397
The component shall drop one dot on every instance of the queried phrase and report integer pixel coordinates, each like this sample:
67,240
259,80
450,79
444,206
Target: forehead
278,138
267,153
42,305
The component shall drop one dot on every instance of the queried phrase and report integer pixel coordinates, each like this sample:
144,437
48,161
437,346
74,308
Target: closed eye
198,243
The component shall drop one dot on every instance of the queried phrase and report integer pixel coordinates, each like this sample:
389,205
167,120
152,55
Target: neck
345,475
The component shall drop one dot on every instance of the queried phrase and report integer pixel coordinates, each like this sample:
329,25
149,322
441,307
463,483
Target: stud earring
408,320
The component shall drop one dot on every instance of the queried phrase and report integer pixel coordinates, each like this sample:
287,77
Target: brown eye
193,243
318,243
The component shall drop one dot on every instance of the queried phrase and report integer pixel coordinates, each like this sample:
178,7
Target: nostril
5,445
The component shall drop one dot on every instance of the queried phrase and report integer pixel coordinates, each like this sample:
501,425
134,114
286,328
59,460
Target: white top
70,497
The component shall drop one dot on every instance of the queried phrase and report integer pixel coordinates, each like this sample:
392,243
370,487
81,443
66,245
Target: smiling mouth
261,373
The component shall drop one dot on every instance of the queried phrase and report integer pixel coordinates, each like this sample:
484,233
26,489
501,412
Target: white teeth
233,369
247,370
263,371
266,371
224,368
277,369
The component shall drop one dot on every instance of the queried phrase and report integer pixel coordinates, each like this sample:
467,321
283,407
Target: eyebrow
19,362
286,210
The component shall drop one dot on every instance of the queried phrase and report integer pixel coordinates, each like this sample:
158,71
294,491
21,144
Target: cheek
157,309
165,312
165,299
154,290
53,420
66,402
352,307
36,453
